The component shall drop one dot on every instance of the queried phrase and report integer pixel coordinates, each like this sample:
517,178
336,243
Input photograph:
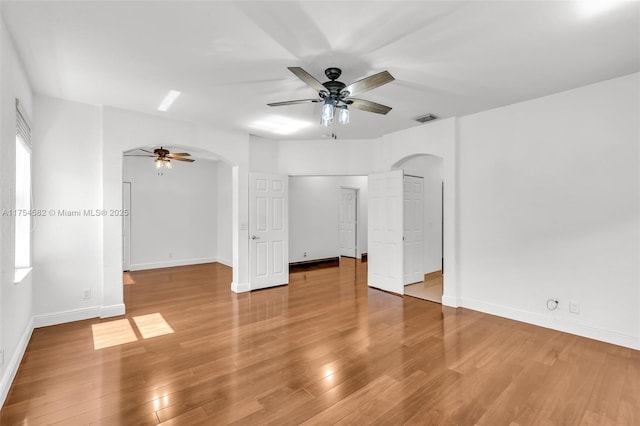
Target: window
22,211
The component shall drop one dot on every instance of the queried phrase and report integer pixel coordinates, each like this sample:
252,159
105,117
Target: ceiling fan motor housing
161,152
333,86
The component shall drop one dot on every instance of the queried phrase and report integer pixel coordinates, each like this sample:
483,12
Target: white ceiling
229,59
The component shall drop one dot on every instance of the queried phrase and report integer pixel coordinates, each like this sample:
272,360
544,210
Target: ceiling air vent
425,118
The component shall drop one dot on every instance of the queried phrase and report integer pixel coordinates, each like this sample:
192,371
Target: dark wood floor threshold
310,265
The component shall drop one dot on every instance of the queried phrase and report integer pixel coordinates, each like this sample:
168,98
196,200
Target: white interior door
126,226
385,231
268,230
348,211
413,213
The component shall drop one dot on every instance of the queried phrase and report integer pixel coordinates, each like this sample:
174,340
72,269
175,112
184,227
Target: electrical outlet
86,293
170,255
305,254
574,307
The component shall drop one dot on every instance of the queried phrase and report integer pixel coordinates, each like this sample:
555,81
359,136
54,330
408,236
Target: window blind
23,128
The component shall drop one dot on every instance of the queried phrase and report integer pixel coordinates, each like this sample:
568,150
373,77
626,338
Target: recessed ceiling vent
425,118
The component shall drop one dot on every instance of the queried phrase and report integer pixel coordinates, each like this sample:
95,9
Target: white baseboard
171,263
66,316
12,367
112,310
240,287
45,321
225,262
554,323
450,301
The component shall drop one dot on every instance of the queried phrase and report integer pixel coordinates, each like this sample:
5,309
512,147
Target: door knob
253,237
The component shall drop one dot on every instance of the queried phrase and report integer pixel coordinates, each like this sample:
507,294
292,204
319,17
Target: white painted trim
225,262
45,321
12,367
112,310
450,301
78,315
20,274
554,323
66,316
240,287
171,263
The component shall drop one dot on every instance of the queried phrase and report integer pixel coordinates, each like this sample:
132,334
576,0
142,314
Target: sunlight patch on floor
152,325
112,333
119,332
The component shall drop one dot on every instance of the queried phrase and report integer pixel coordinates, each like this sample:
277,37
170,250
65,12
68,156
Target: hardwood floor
429,289
324,350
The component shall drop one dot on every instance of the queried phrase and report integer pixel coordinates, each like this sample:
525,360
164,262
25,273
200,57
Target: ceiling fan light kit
328,110
343,114
166,163
336,96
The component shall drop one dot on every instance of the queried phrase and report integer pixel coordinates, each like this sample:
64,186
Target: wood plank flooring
428,289
324,350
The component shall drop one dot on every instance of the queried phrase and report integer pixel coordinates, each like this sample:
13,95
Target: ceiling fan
163,157
337,96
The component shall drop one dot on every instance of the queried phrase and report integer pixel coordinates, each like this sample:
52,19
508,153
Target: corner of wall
9,373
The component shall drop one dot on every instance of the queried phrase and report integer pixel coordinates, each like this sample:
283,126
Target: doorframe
355,219
450,232
126,226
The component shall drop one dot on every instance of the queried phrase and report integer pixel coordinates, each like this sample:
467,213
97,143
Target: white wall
326,157
263,155
224,246
173,212
429,167
313,217
314,208
67,170
550,209
15,299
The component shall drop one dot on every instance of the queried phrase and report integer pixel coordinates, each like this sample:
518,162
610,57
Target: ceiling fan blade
179,154
369,83
138,155
188,160
299,101
307,78
368,106
150,152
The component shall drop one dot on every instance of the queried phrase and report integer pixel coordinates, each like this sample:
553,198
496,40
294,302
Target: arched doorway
394,162
179,215
125,130
423,216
